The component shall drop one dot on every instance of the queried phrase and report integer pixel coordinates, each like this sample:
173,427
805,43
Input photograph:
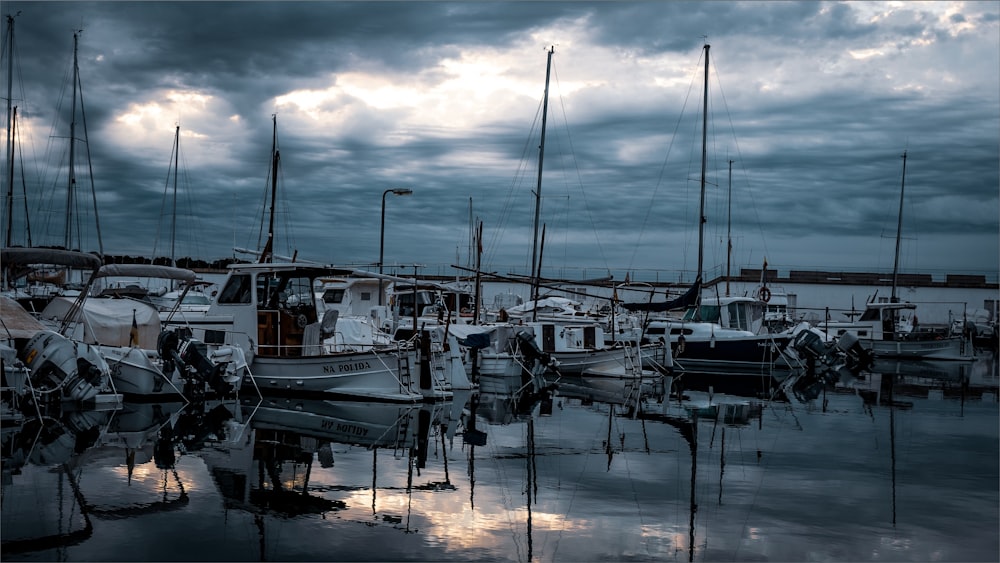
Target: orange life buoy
765,294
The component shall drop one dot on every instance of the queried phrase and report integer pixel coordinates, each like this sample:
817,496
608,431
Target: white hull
945,349
357,374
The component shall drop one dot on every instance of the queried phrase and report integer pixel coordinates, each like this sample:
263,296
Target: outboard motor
166,346
530,349
824,361
191,358
859,358
58,362
809,344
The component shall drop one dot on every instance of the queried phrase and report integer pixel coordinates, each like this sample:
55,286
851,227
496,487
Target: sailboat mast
899,233
535,267
71,184
479,277
265,256
704,165
12,123
472,238
10,126
729,227
173,223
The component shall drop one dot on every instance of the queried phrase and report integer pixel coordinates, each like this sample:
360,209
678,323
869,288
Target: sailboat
41,285
722,335
575,341
882,329
192,297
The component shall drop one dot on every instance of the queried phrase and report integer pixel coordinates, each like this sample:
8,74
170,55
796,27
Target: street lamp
381,241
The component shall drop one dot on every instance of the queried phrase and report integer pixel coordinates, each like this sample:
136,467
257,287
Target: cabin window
236,291
738,317
192,299
709,313
655,330
297,292
405,302
366,296
333,296
870,314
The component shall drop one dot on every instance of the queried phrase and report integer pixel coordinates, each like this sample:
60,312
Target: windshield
709,313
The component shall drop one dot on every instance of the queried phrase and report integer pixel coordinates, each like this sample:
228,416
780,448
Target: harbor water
900,466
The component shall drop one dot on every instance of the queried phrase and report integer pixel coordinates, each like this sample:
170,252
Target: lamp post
381,240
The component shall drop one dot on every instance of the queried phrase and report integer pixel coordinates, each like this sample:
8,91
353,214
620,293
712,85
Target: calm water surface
868,472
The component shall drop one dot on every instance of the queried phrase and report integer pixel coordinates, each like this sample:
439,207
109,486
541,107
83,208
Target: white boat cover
109,321
24,256
554,303
487,336
356,331
146,271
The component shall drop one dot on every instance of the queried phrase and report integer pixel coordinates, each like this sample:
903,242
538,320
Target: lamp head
401,191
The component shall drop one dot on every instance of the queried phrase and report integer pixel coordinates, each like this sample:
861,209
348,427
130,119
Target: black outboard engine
530,350
858,357
809,344
166,345
824,362
179,351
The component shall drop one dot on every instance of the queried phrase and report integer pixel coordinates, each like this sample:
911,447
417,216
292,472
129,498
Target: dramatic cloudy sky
814,102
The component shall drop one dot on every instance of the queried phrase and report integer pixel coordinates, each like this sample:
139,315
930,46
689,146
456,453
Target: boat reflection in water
578,469
114,462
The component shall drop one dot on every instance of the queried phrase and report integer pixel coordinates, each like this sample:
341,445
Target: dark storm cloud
814,101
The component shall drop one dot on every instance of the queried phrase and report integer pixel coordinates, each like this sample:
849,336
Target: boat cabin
737,313
272,303
432,304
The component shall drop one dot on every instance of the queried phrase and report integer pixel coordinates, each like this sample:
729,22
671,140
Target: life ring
764,294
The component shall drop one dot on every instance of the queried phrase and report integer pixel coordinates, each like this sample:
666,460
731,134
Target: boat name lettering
347,367
345,428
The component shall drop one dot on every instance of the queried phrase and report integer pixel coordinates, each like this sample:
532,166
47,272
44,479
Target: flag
133,335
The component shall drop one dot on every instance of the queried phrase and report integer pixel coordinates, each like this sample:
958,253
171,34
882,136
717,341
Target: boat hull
752,356
951,348
368,375
576,362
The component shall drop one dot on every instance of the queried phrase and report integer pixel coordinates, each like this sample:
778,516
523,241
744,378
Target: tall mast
899,232
71,184
173,222
729,226
479,277
265,255
472,237
10,126
701,207
535,267
11,123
